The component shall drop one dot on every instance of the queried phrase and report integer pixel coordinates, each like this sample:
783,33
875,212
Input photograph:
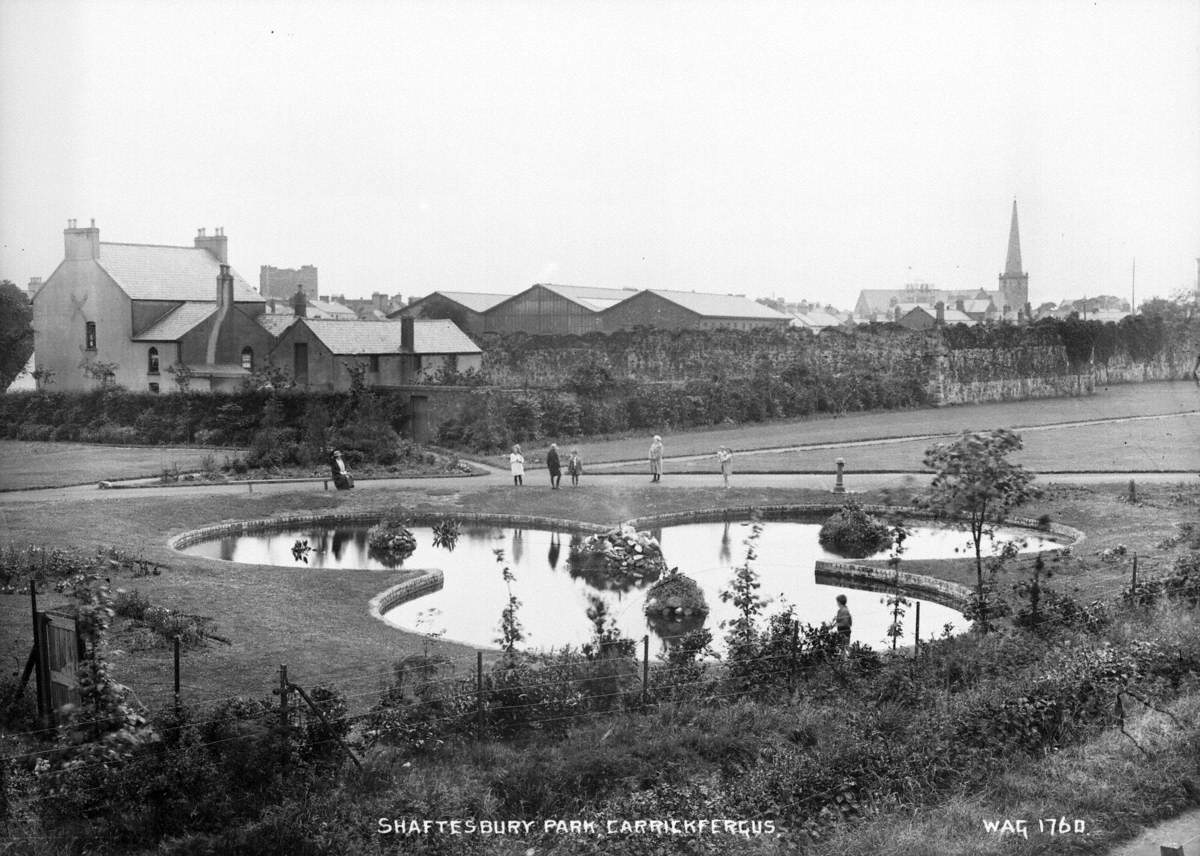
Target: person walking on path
844,622
575,467
725,456
554,466
656,456
516,462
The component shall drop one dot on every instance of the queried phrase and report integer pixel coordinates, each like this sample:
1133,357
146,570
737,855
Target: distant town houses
916,303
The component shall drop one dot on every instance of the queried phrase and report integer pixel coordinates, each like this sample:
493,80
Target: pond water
555,595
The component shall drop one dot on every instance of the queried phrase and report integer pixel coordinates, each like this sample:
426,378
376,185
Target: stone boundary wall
1000,365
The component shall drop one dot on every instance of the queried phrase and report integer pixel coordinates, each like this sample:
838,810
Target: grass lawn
1108,402
26,465
317,622
1171,443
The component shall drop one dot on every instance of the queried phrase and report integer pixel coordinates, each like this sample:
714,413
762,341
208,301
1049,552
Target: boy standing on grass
843,621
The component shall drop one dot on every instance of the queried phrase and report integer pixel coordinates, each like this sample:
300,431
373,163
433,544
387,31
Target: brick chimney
896,314
960,306
216,243
300,303
941,313
379,301
81,244
225,287
407,337
35,283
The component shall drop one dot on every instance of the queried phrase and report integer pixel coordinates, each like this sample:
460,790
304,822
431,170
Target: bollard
838,486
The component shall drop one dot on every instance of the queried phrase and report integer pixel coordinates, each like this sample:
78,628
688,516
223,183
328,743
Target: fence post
283,709
1133,582
176,675
917,633
478,695
39,685
645,668
794,655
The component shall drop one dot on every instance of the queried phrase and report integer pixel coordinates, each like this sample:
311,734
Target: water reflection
554,610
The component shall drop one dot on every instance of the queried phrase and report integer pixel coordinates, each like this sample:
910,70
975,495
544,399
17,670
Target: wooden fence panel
60,645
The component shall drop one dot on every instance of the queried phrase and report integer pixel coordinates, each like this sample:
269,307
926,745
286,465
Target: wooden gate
61,651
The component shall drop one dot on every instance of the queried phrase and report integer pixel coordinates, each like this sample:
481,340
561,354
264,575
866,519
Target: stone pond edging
953,595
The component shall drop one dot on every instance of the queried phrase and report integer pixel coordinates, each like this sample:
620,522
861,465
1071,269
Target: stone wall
954,366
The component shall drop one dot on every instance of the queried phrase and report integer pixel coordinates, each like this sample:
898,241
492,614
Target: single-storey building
673,310
547,309
320,353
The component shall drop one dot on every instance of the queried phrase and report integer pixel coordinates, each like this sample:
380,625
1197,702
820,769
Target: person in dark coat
342,479
553,465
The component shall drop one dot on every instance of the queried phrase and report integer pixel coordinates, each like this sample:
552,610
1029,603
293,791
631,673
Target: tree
975,480
16,332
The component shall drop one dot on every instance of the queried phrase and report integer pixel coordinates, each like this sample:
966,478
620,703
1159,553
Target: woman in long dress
656,456
516,462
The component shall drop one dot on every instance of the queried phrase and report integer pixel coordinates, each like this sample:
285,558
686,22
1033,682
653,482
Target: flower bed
853,533
390,541
621,556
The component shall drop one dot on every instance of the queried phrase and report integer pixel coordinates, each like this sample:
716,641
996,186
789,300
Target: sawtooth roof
153,272
384,337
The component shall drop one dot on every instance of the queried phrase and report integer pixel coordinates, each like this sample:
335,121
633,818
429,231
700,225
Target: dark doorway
419,407
300,363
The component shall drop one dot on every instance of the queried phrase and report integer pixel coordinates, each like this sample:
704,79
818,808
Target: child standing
516,462
574,467
725,456
843,621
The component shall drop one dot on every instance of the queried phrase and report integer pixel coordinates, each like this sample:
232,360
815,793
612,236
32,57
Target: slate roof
721,305
275,322
816,320
476,301
153,272
953,316
172,326
384,337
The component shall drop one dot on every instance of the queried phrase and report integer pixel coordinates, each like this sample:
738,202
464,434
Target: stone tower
1014,282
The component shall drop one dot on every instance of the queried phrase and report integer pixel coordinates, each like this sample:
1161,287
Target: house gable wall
80,291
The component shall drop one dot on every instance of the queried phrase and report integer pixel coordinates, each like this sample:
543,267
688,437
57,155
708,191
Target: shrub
854,533
390,541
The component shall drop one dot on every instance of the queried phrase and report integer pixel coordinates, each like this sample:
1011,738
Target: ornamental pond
555,593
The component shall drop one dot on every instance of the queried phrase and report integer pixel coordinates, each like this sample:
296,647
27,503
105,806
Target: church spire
1012,266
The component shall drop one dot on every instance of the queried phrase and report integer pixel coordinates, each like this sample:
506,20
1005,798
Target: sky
803,150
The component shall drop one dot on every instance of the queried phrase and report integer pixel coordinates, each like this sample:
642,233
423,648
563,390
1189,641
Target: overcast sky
804,149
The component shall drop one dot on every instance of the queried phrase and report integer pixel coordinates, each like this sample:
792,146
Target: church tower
1014,282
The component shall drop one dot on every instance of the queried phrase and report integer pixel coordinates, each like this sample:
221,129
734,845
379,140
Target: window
89,337
248,358
374,362
154,387
152,360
